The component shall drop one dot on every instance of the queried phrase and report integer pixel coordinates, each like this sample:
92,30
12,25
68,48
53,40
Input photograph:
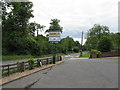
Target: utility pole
81,44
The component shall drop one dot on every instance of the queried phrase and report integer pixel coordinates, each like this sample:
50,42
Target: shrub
18,66
94,51
17,62
105,44
76,49
31,63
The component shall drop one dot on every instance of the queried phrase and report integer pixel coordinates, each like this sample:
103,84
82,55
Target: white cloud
79,39
77,15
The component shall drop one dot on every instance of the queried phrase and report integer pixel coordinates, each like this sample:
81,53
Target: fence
27,65
106,54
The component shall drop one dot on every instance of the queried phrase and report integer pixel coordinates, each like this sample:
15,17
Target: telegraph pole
81,44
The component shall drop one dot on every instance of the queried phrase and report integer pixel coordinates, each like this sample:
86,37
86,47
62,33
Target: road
82,73
14,61
74,73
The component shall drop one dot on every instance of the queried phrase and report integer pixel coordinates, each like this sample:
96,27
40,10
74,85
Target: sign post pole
54,53
54,37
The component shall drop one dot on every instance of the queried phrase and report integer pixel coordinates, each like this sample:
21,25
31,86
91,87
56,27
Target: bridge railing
26,65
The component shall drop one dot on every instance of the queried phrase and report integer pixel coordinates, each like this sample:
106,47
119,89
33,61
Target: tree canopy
54,26
19,34
99,37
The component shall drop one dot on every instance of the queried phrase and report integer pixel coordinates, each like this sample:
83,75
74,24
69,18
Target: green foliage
35,27
19,34
75,49
15,27
54,26
38,59
104,44
115,39
13,57
99,37
17,62
94,34
31,63
87,55
31,60
94,51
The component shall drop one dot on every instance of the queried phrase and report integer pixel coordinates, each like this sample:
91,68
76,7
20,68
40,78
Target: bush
76,49
17,62
94,51
31,63
104,45
18,66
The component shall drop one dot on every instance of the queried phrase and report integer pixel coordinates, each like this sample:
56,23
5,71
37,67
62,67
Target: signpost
54,37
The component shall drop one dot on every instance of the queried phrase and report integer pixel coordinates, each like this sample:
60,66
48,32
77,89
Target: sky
76,15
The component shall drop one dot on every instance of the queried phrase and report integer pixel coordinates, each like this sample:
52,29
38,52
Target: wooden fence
26,65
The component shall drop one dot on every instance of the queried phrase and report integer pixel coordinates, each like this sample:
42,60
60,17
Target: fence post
60,58
18,67
23,64
38,63
2,70
8,70
47,61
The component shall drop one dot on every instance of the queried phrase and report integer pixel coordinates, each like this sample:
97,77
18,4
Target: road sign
54,39
54,33
54,36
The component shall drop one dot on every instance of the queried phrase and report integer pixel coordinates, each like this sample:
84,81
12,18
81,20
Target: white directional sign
54,39
54,36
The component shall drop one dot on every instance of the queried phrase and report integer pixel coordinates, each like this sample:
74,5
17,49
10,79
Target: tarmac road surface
74,73
82,73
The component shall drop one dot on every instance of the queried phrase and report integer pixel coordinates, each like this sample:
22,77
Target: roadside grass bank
15,57
87,55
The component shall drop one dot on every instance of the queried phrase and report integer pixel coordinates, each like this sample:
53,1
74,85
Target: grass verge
87,55
15,57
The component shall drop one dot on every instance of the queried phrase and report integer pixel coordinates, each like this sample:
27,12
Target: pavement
73,73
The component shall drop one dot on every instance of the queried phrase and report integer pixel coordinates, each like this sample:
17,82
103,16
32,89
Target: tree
15,25
94,34
33,26
115,39
76,49
54,26
104,44
39,27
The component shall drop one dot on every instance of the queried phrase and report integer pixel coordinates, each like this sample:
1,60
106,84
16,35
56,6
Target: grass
87,55
15,57
11,71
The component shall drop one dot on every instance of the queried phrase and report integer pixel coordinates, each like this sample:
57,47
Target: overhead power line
50,16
